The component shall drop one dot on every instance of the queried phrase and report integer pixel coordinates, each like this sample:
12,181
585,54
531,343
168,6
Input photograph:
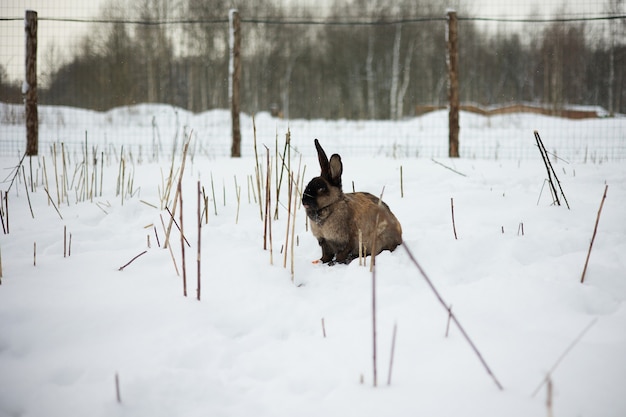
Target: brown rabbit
336,218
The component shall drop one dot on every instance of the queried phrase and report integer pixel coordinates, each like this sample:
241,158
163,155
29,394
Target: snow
254,344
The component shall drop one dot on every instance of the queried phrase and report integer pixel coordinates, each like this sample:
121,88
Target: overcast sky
66,36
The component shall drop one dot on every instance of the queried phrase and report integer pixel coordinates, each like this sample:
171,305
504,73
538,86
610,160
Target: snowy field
264,341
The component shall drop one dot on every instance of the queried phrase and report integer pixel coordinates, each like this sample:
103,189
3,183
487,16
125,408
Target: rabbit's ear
321,155
336,169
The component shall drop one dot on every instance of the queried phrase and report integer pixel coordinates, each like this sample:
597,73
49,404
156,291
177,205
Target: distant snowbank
156,129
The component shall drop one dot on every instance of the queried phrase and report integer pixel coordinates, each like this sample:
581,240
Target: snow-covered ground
254,344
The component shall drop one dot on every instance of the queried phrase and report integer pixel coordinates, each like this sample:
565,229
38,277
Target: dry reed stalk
6,209
565,352
224,191
56,175
452,315
373,256
268,201
258,169
323,328
148,204
27,193
169,246
520,228
182,236
50,199
453,222
449,319
198,260
4,230
180,178
34,253
64,176
550,169
286,245
177,226
213,194
69,247
121,268
101,171
282,168
393,349
157,236
293,230
401,184
45,174
238,189
593,237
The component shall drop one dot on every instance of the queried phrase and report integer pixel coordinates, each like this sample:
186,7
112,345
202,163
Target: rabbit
336,218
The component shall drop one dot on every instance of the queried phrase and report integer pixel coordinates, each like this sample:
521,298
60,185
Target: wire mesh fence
348,63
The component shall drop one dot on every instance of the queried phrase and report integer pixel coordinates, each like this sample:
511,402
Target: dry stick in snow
289,198
565,352
393,349
452,315
213,194
293,228
27,194
170,247
180,178
199,238
34,253
401,184
447,167
449,318
182,236
453,222
177,226
121,268
49,199
551,169
595,230
157,236
323,328
258,169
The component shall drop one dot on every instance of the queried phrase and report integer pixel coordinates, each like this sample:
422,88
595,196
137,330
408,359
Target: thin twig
393,349
565,352
595,230
452,315
121,268
453,222
447,167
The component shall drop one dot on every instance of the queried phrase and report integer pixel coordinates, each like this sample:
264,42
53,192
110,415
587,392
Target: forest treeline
360,60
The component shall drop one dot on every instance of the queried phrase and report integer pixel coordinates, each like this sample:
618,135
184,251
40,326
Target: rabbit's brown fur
336,218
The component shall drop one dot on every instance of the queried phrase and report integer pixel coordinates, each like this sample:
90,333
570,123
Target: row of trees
379,63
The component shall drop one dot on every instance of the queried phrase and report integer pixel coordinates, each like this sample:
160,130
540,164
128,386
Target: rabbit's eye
321,189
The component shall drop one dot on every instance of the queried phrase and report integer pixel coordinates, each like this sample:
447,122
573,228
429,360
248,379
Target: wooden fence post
29,88
453,84
234,70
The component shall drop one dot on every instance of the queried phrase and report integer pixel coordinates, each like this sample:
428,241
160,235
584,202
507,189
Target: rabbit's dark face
316,189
